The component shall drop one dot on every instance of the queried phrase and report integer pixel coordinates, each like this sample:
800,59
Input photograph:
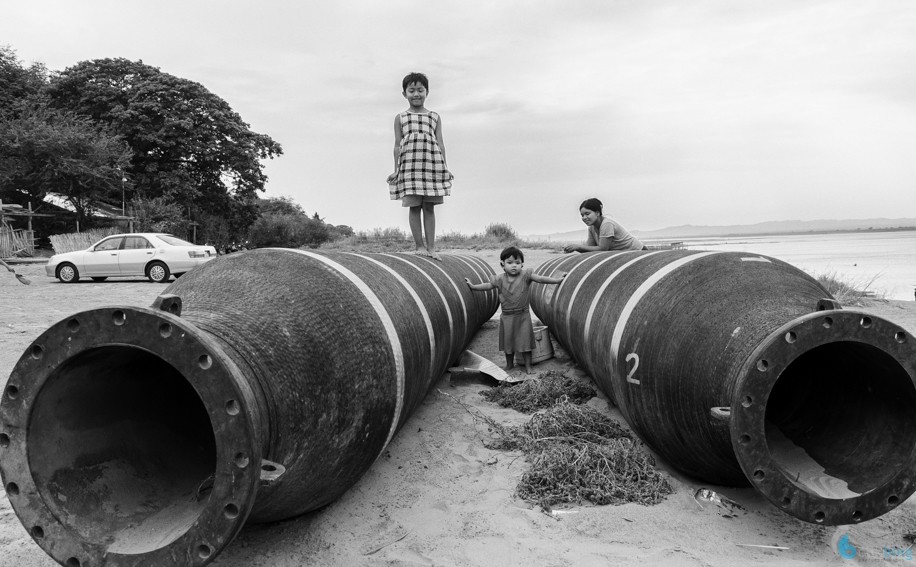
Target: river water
883,262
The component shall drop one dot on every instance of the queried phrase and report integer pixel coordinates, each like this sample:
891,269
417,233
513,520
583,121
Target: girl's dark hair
510,252
592,204
415,78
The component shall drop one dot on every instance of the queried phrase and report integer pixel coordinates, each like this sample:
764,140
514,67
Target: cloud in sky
714,112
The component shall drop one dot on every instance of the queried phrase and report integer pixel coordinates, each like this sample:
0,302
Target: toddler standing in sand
516,332
421,178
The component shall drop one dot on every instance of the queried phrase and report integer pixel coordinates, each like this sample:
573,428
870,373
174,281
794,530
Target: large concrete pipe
259,386
739,368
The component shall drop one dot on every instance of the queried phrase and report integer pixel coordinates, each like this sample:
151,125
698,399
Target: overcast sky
671,112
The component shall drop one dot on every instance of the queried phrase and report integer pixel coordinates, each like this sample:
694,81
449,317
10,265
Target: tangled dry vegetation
576,453
541,392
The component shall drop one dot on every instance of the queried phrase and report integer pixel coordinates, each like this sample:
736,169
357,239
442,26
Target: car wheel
157,272
99,278
68,273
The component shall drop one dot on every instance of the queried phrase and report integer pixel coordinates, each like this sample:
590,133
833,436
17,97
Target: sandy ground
438,496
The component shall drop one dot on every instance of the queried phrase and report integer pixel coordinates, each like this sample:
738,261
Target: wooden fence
80,240
19,242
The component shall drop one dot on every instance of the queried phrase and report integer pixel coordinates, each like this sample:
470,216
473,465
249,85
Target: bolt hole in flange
137,445
828,414
232,407
241,460
12,392
4,440
73,325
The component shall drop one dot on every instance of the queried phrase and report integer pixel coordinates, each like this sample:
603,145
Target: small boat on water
678,245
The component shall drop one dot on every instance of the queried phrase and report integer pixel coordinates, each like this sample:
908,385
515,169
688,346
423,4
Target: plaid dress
421,169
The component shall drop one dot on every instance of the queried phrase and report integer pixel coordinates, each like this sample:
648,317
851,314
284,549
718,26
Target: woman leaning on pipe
604,233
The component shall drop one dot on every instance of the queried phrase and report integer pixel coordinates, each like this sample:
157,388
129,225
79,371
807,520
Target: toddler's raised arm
547,280
479,287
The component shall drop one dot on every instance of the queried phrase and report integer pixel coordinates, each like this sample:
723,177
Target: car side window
110,244
136,242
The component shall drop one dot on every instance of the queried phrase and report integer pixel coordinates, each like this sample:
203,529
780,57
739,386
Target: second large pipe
740,368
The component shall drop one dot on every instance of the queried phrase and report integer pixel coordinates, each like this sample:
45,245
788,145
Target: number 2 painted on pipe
635,358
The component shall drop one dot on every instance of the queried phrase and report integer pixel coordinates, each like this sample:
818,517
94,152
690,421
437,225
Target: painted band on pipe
740,368
258,387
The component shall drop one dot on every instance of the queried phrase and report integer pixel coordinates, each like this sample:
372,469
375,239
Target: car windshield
169,239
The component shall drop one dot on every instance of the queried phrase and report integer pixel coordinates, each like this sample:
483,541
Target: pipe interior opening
840,419
121,449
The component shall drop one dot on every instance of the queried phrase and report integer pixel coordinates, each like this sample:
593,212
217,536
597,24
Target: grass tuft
847,291
495,236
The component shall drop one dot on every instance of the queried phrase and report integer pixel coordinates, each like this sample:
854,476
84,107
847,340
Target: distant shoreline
663,235
772,233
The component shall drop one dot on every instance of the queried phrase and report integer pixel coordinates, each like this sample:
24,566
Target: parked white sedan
150,254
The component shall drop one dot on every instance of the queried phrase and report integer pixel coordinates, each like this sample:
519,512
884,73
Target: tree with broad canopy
188,144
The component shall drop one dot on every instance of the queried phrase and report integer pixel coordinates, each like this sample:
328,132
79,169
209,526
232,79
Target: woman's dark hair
415,78
510,252
592,204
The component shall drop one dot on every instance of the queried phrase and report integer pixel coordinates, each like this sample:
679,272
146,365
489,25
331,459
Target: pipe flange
218,382
755,385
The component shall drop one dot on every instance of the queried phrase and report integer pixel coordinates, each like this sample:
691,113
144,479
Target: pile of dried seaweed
577,454
541,392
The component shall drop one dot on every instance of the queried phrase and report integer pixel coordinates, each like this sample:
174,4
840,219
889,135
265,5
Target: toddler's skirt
516,332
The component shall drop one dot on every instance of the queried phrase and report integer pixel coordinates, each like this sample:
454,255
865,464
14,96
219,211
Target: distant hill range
770,227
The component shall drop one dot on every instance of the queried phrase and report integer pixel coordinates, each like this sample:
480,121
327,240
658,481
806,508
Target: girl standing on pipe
421,178
516,332
604,233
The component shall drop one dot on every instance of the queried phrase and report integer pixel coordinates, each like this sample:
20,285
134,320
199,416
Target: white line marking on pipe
640,292
572,297
416,298
604,285
757,259
464,307
448,310
387,323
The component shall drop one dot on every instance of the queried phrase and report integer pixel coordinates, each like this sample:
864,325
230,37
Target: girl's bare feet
432,254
